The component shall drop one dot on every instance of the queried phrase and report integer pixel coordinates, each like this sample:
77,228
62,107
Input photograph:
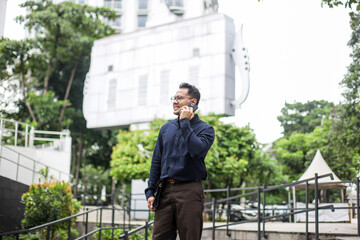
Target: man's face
183,100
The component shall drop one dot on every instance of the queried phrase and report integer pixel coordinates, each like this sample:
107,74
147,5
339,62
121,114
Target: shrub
49,201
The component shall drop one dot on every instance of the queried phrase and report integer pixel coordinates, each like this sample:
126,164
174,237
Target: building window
164,87
111,102
196,52
142,20
194,75
110,68
81,1
113,4
117,21
108,3
177,3
143,4
117,4
142,90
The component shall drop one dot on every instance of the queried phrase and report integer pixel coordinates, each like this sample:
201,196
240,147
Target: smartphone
193,105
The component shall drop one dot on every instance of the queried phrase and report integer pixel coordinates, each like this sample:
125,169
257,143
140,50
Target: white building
132,76
136,14
162,43
2,16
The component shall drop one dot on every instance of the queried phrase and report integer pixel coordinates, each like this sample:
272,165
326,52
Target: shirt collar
194,120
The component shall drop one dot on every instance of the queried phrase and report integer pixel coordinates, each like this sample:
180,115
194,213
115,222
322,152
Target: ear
194,101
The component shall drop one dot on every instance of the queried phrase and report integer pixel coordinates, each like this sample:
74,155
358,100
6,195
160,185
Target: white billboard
133,75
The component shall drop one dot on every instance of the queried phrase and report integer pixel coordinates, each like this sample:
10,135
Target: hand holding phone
193,106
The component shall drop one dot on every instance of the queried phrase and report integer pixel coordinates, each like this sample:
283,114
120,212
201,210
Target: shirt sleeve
197,145
155,170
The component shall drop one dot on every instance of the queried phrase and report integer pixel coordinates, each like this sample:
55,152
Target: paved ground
329,228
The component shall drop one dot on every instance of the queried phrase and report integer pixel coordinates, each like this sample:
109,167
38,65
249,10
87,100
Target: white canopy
319,166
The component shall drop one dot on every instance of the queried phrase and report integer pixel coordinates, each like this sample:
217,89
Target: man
178,159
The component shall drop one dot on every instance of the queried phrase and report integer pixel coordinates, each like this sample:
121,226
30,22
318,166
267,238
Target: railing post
357,205
100,222
307,212
213,217
32,133
146,230
228,211
259,217
124,219
26,135
48,232
129,211
126,236
69,227
113,222
316,207
264,204
16,133
86,221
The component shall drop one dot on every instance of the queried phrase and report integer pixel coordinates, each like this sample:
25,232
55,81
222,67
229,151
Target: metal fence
259,192
23,134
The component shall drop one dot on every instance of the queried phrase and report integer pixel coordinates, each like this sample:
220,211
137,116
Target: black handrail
261,217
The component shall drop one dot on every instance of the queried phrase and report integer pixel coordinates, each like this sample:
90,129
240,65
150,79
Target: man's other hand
150,203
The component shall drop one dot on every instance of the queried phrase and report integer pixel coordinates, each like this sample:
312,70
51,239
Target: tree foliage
304,117
131,157
233,159
345,3
55,62
345,140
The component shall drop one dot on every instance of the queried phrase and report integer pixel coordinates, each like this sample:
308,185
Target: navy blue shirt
180,152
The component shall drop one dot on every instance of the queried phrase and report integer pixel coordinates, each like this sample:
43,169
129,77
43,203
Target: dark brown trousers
180,208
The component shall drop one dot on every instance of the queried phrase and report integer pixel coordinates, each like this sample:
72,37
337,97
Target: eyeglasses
179,98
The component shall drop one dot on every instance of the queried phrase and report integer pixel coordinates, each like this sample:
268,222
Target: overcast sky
297,52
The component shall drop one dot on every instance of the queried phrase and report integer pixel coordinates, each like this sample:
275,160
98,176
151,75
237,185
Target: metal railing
261,218
23,134
15,131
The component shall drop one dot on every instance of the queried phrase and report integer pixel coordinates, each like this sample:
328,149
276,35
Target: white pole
294,198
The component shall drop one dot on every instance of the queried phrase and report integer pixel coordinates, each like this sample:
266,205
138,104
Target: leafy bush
49,201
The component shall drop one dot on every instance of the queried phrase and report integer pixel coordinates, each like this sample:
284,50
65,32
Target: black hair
192,91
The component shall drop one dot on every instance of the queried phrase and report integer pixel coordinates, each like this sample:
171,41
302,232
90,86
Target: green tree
345,140
131,157
233,159
64,34
16,61
94,180
304,117
297,151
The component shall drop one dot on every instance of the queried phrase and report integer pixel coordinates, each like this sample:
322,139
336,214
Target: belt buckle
172,181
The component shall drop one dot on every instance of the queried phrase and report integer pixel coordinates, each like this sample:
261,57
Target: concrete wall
11,209
132,76
30,161
138,200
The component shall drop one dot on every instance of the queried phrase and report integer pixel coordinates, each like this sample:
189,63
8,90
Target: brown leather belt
172,181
